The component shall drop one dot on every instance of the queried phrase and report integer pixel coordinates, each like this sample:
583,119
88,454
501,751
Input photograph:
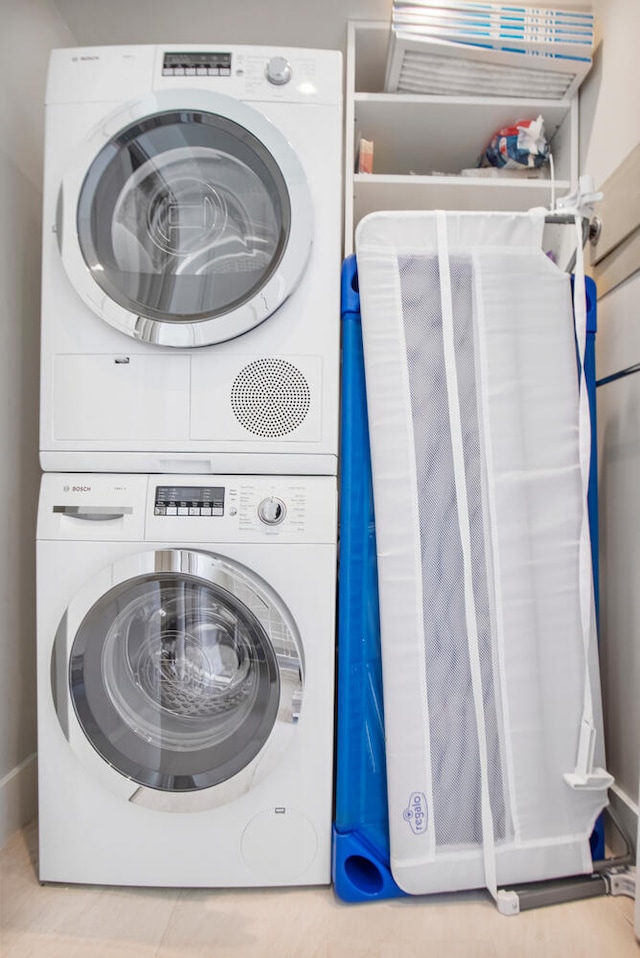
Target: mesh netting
453,729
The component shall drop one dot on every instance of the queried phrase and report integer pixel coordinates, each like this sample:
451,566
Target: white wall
29,29
609,117
610,128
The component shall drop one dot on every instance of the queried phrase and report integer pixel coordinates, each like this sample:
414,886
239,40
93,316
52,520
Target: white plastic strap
584,776
462,501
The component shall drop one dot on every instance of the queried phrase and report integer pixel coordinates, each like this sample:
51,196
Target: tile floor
60,921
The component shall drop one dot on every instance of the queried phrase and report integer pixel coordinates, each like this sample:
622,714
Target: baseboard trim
18,797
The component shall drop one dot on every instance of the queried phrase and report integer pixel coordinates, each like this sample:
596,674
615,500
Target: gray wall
307,23
29,29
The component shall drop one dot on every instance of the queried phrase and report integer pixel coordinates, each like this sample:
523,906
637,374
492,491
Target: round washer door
186,219
182,672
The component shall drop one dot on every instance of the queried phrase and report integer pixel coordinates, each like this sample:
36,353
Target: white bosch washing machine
185,679
191,260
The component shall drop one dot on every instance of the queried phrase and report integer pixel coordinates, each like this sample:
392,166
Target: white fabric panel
407,742
472,390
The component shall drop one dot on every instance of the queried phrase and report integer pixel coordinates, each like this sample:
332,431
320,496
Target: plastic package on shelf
522,146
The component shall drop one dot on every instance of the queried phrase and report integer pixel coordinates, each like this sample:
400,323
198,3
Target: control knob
272,511
278,71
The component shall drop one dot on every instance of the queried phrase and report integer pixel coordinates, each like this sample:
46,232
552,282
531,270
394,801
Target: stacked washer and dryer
186,554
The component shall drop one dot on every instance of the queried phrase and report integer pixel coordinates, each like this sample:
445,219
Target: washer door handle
94,513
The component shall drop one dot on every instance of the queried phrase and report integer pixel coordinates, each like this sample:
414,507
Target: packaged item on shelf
364,159
479,49
517,147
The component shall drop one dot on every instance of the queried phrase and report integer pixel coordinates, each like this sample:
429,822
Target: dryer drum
183,216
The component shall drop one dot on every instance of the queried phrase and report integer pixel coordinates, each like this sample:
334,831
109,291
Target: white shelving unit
421,143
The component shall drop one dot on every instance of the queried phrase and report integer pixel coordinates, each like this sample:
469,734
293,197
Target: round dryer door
183,674
186,220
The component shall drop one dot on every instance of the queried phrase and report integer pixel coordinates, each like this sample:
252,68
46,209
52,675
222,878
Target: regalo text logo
416,813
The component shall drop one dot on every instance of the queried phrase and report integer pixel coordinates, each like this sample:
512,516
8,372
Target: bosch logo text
80,488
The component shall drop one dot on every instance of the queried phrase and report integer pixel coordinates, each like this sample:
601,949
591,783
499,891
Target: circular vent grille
270,397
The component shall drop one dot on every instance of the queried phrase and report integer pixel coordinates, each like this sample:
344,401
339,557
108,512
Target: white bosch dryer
191,260
185,679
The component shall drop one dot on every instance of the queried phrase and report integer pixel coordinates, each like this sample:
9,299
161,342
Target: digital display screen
210,64
189,501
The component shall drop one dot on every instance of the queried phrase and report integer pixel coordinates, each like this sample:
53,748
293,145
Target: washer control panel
188,509
241,508
245,500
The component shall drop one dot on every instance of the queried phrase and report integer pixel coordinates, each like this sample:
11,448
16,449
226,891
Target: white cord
553,182
462,502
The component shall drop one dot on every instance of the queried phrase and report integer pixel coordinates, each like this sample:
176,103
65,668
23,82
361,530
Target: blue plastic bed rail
361,832
597,836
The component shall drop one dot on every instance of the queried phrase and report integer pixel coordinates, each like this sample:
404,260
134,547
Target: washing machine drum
186,220
181,673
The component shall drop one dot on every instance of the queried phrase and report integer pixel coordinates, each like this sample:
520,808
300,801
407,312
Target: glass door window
174,681
183,216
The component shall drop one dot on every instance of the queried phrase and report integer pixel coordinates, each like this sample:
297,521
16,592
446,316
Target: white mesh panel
452,722
479,509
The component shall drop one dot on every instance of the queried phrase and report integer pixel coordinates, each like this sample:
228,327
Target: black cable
623,372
